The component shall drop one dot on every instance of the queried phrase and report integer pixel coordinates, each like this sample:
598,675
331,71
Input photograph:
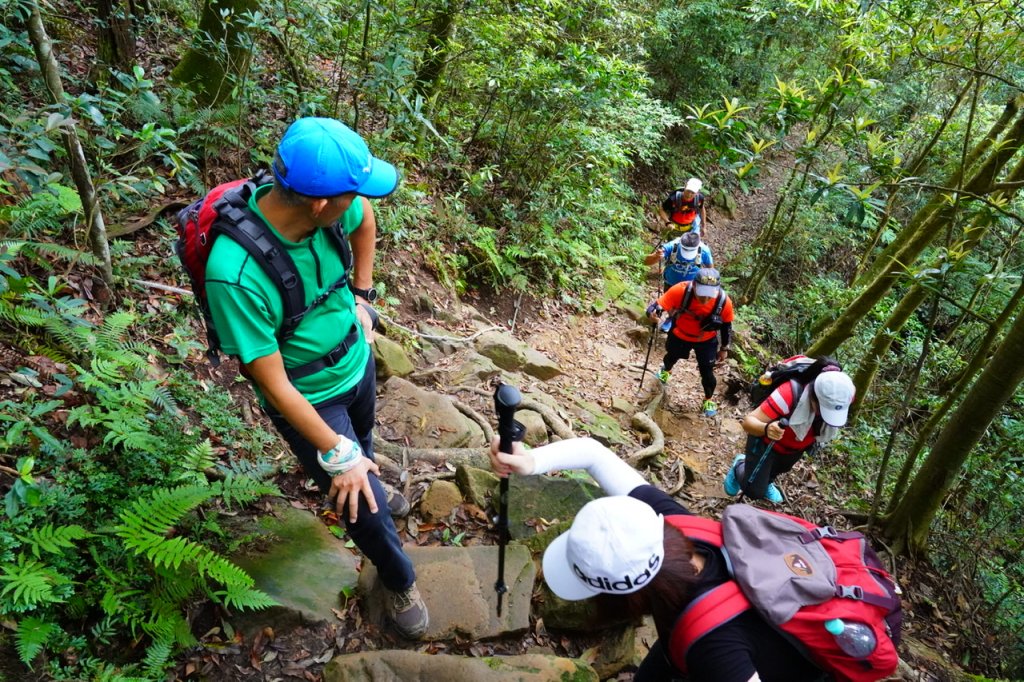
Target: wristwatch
369,294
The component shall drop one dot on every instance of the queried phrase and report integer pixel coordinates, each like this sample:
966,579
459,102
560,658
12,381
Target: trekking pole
506,400
650,344
784,422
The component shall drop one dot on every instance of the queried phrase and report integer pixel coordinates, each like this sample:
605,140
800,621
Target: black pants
706,353
351,414
761,466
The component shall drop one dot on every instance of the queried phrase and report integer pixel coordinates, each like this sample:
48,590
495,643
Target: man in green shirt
318,385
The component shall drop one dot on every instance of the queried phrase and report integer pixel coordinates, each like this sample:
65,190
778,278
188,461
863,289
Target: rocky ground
580,371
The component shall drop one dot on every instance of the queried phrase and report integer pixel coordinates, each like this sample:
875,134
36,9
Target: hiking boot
773,494
709,407
663,375
409,613
732,483
398,506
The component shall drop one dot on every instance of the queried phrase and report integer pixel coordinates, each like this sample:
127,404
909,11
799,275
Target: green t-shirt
247,309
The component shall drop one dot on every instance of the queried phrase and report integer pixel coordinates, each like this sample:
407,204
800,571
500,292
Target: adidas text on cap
615,545
322,157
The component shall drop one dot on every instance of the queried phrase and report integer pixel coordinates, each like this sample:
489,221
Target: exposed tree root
643,422
476,417
476,457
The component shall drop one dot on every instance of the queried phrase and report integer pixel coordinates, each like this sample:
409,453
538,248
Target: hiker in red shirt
814,416
699,315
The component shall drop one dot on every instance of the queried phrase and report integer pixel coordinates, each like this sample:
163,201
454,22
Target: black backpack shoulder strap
688,296
719,303
236,220
341,242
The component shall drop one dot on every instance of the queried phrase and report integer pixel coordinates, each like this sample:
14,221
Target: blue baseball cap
323,157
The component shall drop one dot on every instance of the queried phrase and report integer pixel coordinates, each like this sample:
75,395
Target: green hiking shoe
710,408
663,375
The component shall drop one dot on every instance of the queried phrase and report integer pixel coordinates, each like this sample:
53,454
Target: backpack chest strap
330,360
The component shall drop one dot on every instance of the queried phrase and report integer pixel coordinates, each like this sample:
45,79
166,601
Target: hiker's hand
365,320
774,431
654,312
722,355
347,487
519,462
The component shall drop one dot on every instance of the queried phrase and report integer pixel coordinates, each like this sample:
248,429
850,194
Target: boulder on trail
294,543
457,585
478,486
385,666
391,358
511,354
534,500
426,419
439,501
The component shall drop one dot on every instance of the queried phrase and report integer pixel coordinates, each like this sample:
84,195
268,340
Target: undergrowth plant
106,533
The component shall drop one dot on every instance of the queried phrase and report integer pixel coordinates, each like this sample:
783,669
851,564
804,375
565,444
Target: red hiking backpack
225,210
798,576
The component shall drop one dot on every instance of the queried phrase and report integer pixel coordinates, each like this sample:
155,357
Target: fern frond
239,490
240,597
199,457
35,249
29,583
161,511
223,571
54,540
161,397
24,315
31,637
157,654
115,327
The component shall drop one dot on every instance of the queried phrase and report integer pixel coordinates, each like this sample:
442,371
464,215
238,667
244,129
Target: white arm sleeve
611,473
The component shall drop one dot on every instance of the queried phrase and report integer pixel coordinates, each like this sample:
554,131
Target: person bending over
629,533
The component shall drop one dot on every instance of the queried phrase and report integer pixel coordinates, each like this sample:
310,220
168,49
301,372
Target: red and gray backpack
225,210
798,576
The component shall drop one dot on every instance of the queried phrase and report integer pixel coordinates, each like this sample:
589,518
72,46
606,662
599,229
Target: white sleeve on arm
611,473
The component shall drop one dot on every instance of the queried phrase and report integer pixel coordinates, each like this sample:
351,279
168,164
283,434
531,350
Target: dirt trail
603,365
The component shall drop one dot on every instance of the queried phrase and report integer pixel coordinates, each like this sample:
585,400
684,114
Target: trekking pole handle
783,422
506,399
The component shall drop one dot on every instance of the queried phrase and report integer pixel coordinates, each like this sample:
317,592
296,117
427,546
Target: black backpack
225,210
800,370
713,321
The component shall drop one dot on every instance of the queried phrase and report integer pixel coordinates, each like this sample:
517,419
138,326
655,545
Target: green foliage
107,537
31,637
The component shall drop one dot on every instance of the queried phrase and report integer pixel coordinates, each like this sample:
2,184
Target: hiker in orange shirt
700,312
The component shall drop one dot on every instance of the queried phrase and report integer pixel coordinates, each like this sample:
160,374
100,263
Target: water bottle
855,638
339,459
765,379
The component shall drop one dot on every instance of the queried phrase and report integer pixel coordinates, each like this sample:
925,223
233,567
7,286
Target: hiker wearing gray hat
700,316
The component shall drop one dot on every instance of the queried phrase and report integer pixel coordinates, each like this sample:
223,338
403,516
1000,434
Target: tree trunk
912,299
910,522
891,252
76,155
938,212
977,362
115,48
206,68
436,53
